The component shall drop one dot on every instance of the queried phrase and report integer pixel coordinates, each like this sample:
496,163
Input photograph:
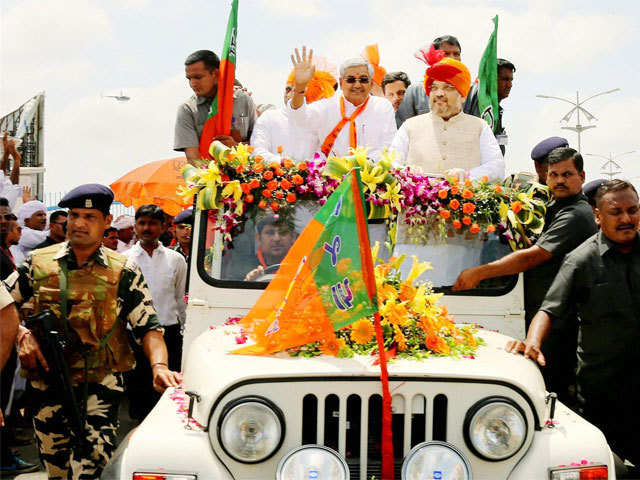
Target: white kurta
491,159
276,128
375,126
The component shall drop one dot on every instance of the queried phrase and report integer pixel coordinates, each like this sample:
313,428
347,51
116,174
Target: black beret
590,189
541,150
90,195
185,216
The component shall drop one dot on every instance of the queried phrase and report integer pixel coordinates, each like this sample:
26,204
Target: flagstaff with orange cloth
221,113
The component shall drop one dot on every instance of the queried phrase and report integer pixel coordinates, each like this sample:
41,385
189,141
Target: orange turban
320,86
371,55
450,71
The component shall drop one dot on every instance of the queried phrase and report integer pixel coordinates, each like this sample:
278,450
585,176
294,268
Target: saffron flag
488,80
325,282
221,112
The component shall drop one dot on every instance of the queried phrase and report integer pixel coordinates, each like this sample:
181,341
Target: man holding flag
215,111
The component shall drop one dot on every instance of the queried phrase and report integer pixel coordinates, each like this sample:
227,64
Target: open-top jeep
264,417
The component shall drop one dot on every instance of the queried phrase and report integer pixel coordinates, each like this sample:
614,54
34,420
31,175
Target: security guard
568,222
102,291
601,280
184,224
540,153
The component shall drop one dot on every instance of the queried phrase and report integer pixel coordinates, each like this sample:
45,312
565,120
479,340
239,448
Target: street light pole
610,163
578,107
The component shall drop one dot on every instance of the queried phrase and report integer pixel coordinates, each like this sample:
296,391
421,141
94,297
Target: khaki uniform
103,295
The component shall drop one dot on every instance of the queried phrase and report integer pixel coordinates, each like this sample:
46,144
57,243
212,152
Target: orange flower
474,228
266,193
231,157
516,206
250,149
279,171
287,162
297,180
467,194
466,220
285,184
407,292
254,183
468,182
302,166
497,188
274,165
362,331
248,199
240,169
457,224
331,346
455,190
468,208
245,188
399,338
268,175
258,158
445,214
454,204
280,194
484,179
262,204
258,167
443,193
436,344
272,185
491,228
274,206
279,149
291,197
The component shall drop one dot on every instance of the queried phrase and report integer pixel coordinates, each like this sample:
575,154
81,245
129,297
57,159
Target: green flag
488,81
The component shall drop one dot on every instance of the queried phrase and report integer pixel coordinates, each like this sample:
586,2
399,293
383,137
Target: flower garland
414,324
240,185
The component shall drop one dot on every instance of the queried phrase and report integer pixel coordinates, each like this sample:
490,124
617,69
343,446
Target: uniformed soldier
568,222
601,280
590,189
184,224
540,153
104,292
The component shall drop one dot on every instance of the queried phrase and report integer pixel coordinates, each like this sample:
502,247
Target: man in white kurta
446,140
344,121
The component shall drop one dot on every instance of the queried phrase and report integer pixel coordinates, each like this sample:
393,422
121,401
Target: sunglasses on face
8,216
362,80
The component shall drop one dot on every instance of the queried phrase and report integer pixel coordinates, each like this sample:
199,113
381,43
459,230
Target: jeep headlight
312,461
435,459
250,429
495,428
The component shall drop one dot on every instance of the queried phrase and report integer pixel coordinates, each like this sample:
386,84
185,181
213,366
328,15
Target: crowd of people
582,274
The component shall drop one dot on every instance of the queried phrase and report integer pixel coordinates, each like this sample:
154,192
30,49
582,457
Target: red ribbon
387,435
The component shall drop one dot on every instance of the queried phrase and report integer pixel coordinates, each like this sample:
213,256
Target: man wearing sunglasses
57,229
354,118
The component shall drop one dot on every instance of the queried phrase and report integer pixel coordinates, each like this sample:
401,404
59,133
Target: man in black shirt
601,281
57,229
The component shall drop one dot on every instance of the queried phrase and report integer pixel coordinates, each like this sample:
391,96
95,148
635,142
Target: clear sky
77,49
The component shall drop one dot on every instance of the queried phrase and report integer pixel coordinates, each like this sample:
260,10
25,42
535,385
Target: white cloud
295,8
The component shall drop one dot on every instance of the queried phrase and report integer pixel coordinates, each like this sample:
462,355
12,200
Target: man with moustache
184,224
32,218
600,280
274,238
166,273
93,293
354,118
394,88
568,222
57,229
446,140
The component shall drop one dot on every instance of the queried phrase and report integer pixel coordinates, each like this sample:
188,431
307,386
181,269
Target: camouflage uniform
104,295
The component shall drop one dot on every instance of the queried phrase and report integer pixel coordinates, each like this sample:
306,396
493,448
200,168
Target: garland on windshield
241,186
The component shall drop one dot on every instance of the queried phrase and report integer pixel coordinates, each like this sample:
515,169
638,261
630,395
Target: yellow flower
331,346
395,313
417,269
362,331
233,189
241,153
399,338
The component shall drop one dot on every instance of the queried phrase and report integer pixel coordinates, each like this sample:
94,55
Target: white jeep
250,417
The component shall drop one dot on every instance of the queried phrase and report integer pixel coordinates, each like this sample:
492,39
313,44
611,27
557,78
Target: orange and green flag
325,282
220,115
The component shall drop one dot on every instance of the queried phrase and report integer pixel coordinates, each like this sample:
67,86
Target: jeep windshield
255,254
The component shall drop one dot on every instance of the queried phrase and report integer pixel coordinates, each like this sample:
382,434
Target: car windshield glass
253,258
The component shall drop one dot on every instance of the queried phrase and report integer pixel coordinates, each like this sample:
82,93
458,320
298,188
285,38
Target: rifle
53,345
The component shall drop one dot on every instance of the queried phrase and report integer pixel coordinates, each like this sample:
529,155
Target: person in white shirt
276,135
165,272
125,224
354,118
32,218
446,140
